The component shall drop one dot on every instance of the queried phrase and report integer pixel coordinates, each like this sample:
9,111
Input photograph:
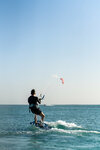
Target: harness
32,105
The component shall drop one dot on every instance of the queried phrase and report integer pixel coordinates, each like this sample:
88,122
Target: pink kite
62,80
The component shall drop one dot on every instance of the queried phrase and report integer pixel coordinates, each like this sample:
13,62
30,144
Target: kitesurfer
33,106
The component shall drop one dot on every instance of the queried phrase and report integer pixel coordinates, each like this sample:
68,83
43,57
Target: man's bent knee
42,114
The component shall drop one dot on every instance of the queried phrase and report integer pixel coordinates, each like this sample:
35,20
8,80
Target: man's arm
39,100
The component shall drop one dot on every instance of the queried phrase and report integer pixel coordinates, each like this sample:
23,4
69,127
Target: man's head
32,92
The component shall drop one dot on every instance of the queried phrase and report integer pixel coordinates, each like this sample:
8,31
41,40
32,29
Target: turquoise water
74,127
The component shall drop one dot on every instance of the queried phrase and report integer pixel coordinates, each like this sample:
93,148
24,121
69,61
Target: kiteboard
41,125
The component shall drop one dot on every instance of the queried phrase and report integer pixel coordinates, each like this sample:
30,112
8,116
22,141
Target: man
33,106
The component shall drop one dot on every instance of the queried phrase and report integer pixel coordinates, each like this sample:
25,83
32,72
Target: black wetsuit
33,103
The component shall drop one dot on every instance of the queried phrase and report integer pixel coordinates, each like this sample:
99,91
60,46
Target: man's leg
35,119
42,116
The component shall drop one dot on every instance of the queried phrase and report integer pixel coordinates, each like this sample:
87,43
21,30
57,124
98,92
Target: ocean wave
53,131
59,126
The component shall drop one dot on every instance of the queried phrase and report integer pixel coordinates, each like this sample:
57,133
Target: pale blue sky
39,38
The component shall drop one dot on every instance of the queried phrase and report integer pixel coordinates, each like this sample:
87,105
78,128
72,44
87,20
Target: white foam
24,132
64,123
71,126
74,131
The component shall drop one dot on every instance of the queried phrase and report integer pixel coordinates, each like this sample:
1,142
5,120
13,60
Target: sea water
74,127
